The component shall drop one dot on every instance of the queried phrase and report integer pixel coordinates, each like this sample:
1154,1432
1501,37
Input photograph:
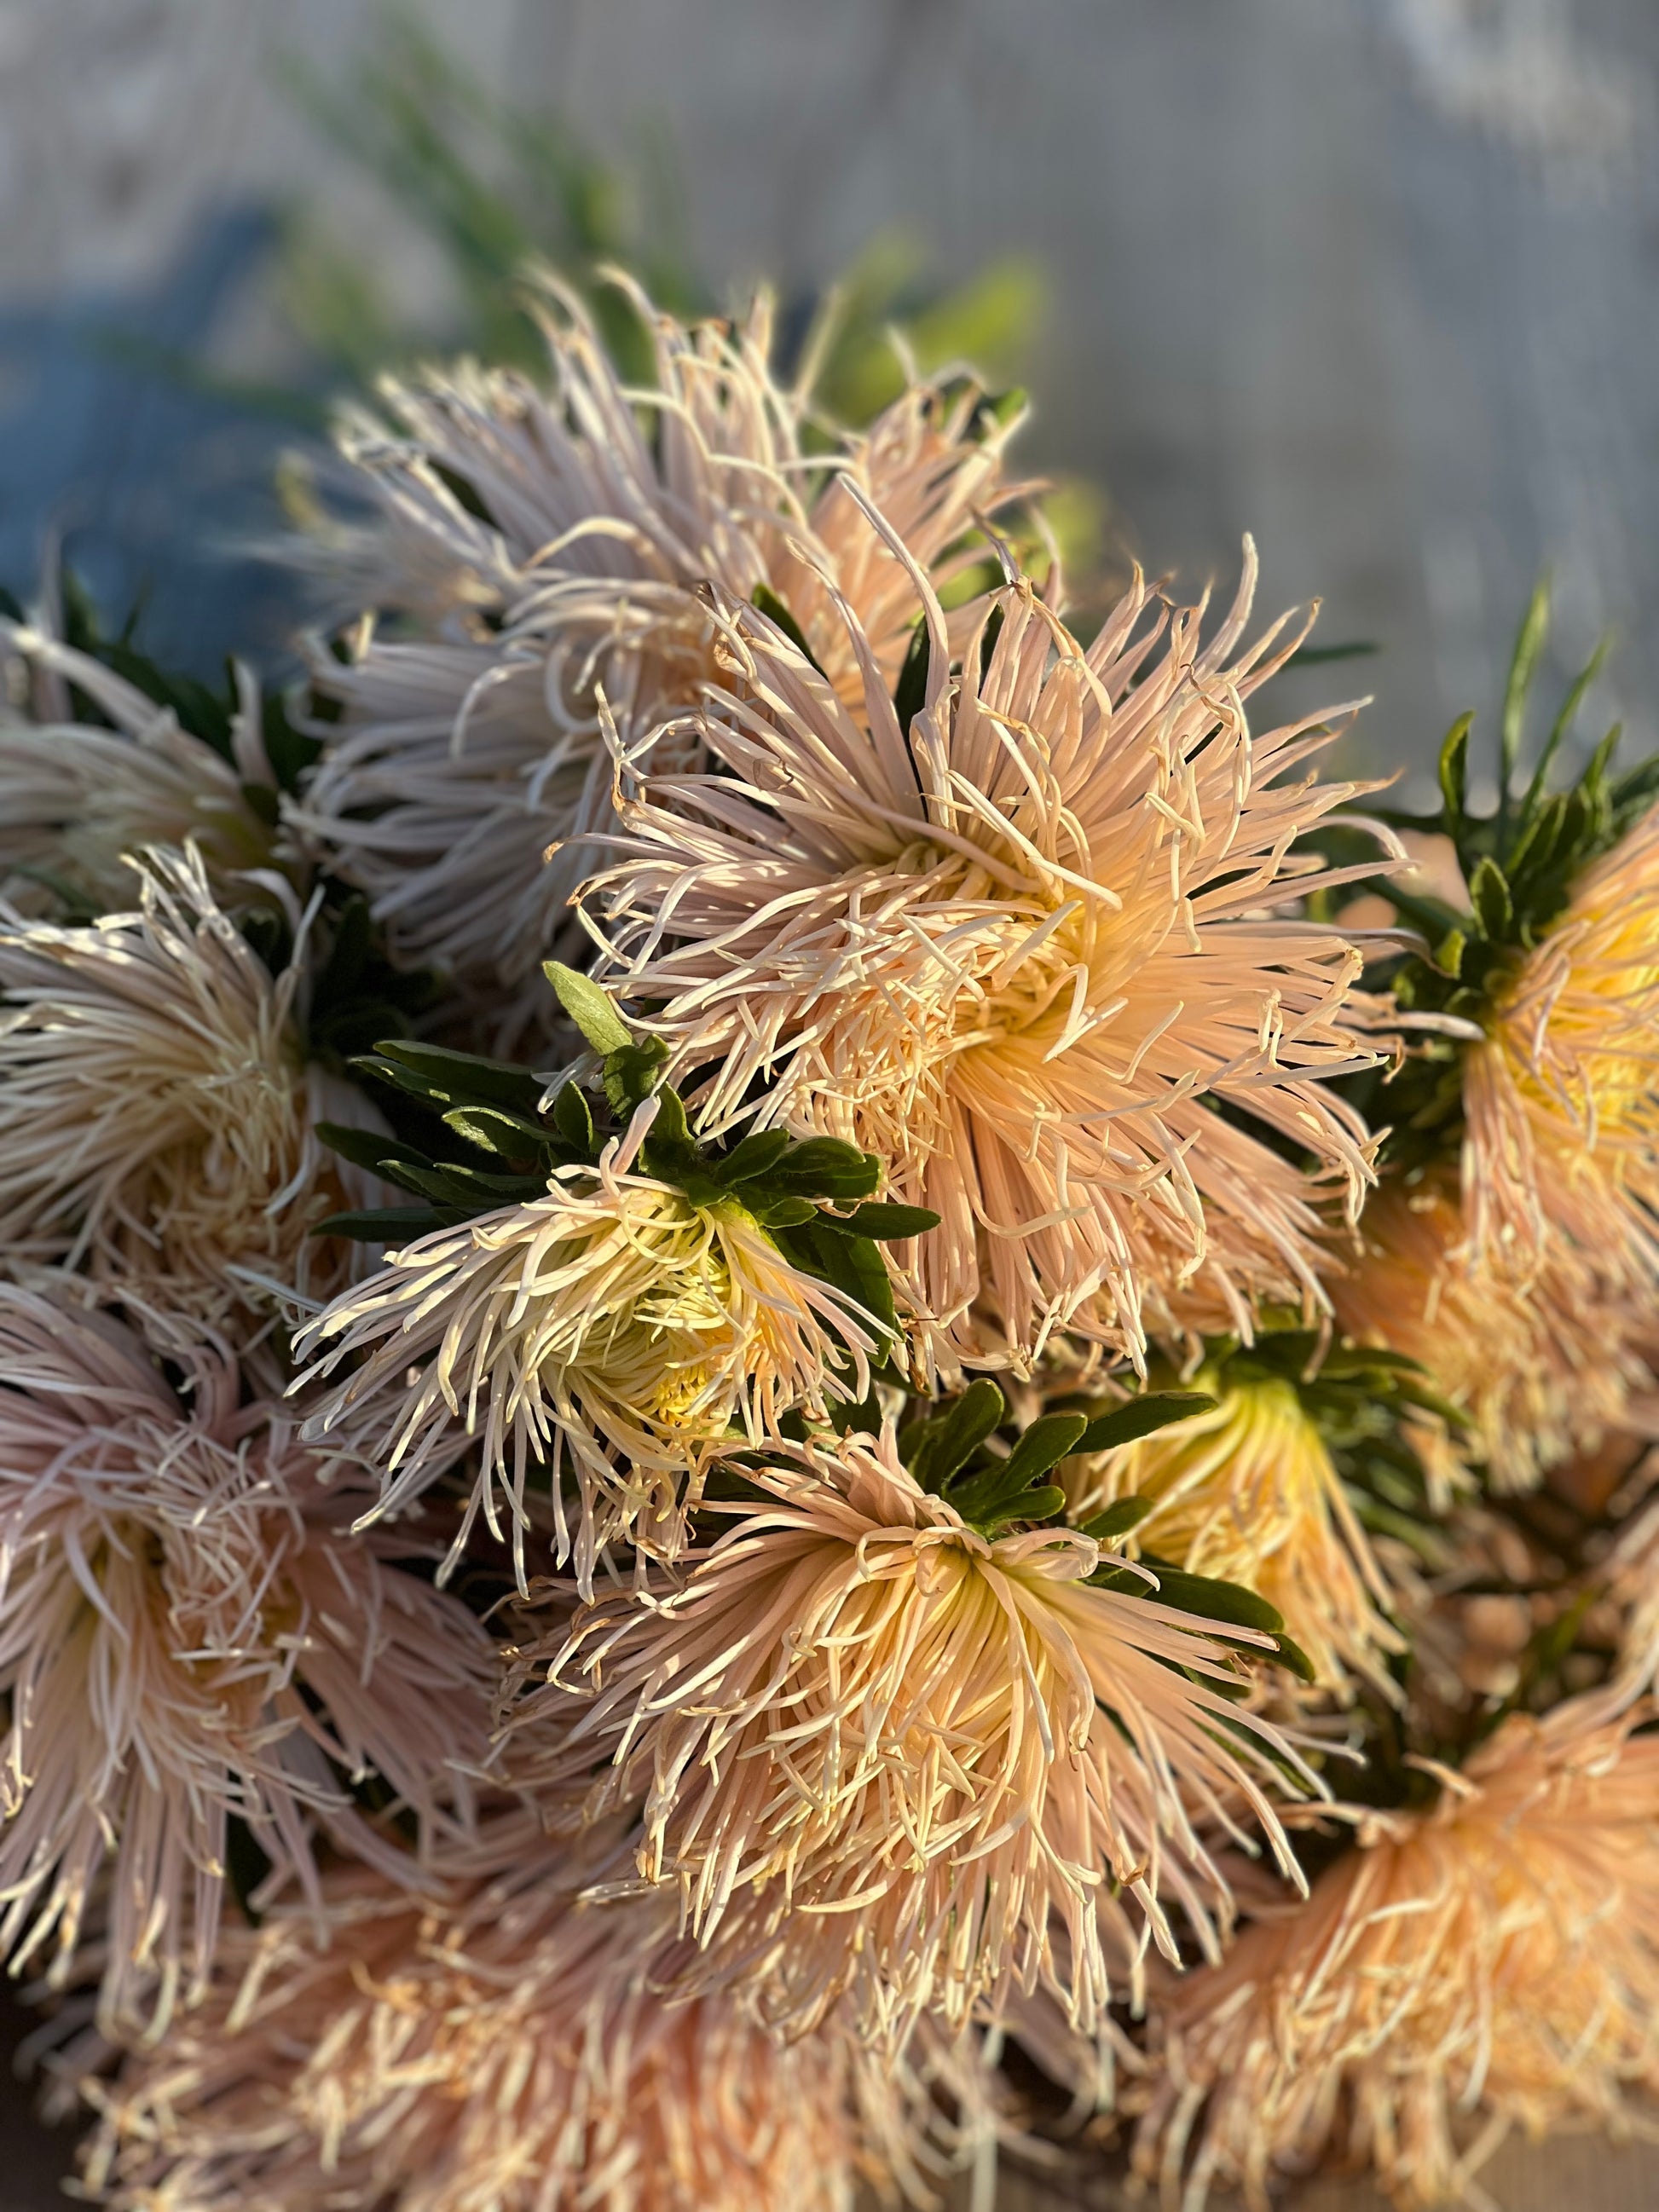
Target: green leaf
389,1224
367,1148
1293,1656
1122,1514
883,1222
458,1078
1489,896
783,1211
1140,1417
824,1167
1454,774
592,1009
630,1074
768,603
1049,1439
573,1117
1523,666
935,1449
910,692
752,1156
1213,1600
509,1136
1316,656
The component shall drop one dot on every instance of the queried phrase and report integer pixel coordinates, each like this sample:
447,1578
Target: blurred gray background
1375,279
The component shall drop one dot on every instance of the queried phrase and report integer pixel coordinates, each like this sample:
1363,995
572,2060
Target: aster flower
888,1744
77,798
1247,1493
591,516
1021,936
610,1329
507,2052
1490,1963
156,1120
1561,1151
1536,1377
190,1637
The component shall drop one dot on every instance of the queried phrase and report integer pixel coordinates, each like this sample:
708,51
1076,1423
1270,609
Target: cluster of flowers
762,1328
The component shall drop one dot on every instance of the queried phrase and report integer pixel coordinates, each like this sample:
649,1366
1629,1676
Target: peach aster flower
509,2051
1491,1963
592,516
189,1636
1040,952
1248,1492
890,1747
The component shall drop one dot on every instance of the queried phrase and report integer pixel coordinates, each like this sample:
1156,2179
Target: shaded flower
1491,1963
610,1330
155,1104
1038,950
508,2053
1536,1377
882,1745
1247,1493
576,527
190,1637
77,798
1560,1166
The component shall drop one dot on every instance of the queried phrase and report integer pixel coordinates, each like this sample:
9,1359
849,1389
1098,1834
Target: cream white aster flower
77,799
1041,950
155,1116
610,1331
591,516
189,1635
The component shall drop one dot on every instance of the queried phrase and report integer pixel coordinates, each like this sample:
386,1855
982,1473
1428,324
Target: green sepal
753,1157
630,1073
826,1167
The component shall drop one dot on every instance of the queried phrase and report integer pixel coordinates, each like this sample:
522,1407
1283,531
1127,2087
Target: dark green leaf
1214,1599
630,1074
573,1117
1454,774
883,1222
366,1148
509,1136
753,1156
910,692
1044,1445
460,1079
1122,1514
767,601
1489,896
1523,666
389,1224
1140,1417
936,1448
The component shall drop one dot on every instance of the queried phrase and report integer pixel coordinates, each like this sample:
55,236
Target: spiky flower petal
610,1330
591,517
1247,1493
1489,1965
77,798
1036,949
507,2052
887,1744
189,1637
154,1103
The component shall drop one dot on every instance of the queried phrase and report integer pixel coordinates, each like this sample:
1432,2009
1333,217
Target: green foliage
1520,862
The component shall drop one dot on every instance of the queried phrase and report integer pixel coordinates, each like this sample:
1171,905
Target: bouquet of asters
783,1353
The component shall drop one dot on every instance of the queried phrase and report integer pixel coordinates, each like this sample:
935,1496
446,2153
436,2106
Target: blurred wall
1374,278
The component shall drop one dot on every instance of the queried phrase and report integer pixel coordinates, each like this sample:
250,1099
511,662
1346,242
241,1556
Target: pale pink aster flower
592,514
156,1121
77,799
610,1330
512,2051
1023,952
898,1753
190,1635
1248,1492
1489,1965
